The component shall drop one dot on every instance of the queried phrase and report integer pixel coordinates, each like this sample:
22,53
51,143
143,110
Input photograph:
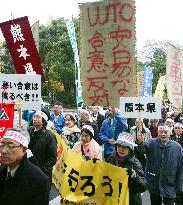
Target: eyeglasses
8,145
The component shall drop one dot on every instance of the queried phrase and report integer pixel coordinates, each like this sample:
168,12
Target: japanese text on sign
140,107
21,88
174,70
107,51
84,182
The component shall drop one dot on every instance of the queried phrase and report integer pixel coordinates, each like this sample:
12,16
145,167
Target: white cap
18,137
125,139
42,114
88,127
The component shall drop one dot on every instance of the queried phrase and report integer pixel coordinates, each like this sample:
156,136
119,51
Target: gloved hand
131,173
95,160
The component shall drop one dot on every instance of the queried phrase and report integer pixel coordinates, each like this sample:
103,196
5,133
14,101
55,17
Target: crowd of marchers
150,150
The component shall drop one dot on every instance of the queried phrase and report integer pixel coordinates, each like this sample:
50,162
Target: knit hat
125,140
88,128
18,137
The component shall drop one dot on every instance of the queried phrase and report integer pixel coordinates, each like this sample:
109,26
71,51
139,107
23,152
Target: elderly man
164,168
57,117
21,182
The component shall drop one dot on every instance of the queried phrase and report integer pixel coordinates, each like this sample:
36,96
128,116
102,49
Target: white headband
42,114
18,137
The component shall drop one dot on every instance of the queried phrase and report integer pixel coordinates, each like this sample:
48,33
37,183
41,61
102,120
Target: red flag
6,117
21,44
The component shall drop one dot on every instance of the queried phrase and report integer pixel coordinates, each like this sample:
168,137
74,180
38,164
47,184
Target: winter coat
136,185
164,167
29,186
111,131
43,145
177,139
59,123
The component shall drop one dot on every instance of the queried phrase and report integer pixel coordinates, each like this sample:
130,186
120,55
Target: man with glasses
21,182
164,167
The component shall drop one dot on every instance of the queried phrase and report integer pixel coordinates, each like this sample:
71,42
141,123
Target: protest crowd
150,150
134,146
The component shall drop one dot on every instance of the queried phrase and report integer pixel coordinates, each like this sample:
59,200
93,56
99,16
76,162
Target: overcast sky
156,19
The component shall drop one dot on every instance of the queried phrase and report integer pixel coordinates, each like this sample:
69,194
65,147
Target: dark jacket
136,185
29,186
177,139
164,169
43,145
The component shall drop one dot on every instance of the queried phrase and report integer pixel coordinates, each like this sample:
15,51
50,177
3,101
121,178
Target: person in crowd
124,157
43,143
57,117
97,116
140,127
71,131
164,167
177,115
111,127
87,146
86,120
134,131
178,133
21,182
153,127
169,121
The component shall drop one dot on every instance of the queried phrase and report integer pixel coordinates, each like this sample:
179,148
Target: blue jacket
164,168
59,124
106,132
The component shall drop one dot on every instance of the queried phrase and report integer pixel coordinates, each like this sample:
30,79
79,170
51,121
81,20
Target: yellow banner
85,182
61,147
107,51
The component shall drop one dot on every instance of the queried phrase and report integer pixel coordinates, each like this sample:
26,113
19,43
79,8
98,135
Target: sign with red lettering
20,41
174,70
6,117
107,51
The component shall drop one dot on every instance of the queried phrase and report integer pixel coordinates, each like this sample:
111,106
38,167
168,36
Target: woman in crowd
124,157
87,146
71,131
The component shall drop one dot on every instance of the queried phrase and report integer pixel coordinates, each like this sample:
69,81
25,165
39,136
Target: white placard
22,89
141,107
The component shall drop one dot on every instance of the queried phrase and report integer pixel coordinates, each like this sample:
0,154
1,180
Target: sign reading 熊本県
107,51
141,107
21,88
21,45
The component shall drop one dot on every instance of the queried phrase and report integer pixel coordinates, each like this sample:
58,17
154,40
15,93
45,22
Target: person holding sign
124,157
21,182
164,167
87,146
110,130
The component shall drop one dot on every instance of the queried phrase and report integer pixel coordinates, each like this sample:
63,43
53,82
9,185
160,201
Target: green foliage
57,59
154,55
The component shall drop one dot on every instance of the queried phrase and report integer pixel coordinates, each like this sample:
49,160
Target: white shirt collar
13,171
